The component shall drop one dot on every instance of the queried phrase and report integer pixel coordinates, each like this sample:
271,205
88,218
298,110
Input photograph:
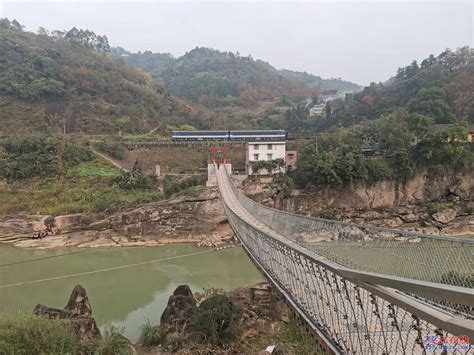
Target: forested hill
204,74
67,82
314,81
441,87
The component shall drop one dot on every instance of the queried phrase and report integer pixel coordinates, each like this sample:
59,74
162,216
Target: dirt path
110,160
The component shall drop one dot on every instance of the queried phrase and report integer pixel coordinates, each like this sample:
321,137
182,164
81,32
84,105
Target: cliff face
407,206
421,188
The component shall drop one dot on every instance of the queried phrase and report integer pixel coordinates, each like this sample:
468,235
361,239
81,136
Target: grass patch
112,342
295,339
292,338
152,335
87,187
173,184
95,168
28,334
194,191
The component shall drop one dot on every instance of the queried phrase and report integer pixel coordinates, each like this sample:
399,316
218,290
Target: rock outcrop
179,311
199,220
444,216
263,309
262,314
78,310
386,204
421,188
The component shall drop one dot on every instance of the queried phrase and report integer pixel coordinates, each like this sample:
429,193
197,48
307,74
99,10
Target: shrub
39,156
217,319
116,149
436,207
134,179
152,335
378,170
173,184
469,210
328,214
111,343
28,334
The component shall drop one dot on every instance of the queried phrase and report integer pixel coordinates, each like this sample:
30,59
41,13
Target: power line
56,256
46,257
113,268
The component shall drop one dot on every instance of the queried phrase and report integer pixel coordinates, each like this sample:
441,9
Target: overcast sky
357,41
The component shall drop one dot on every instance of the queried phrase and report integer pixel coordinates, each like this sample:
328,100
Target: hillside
214,78
441,87
325,85
67,82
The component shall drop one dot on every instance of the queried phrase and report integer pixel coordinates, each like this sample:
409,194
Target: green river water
126,297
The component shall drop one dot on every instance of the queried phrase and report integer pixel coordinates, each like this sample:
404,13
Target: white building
258,151
317,110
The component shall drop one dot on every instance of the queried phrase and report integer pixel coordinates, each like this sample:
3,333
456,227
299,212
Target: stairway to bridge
361,289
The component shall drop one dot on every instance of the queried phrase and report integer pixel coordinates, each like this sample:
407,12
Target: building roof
266,142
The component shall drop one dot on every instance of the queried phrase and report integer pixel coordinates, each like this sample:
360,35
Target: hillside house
264,151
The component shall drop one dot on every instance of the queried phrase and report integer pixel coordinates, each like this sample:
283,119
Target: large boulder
78,310
460,227
179,311
444,216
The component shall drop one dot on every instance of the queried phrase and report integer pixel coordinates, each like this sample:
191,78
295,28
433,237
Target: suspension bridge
361,289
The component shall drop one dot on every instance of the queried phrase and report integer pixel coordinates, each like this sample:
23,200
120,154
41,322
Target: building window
255,147
255,157
291,156
269,147
269,156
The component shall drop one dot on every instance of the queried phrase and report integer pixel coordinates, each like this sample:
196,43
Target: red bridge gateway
218,156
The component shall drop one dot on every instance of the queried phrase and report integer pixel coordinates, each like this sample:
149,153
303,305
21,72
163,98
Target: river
124,297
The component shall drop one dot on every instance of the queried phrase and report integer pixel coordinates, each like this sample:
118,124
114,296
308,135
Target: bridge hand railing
349,317
418,256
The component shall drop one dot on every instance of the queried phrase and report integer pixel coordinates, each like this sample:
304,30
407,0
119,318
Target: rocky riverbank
424,204
246,320
199,220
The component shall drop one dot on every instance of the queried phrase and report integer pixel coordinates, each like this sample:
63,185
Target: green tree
432,102
420,124
445,148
